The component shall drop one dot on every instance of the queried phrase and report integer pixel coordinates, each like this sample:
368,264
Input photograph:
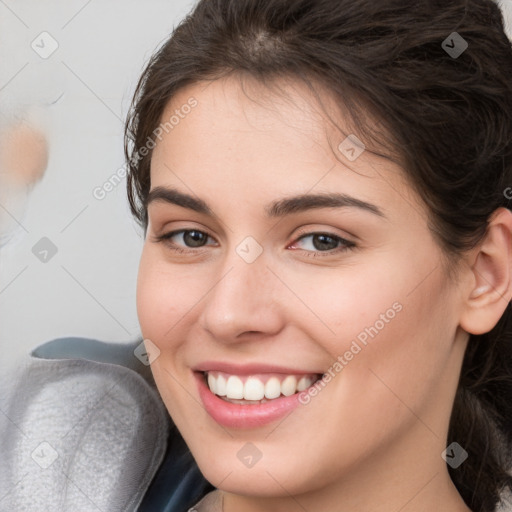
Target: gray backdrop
69,261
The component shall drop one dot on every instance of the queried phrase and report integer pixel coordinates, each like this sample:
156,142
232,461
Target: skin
372,438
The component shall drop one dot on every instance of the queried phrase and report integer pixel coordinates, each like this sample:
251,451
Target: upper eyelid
301,231
163,231
329,232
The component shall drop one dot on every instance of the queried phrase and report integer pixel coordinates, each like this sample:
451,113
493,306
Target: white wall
88,287
507,10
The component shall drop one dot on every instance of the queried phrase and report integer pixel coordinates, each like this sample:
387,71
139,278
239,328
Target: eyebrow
280,208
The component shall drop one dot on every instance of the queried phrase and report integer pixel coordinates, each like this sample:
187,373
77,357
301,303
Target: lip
243,416
248,369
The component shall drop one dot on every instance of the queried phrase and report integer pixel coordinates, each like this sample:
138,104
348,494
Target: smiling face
269,262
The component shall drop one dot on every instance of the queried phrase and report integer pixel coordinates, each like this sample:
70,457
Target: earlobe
489,276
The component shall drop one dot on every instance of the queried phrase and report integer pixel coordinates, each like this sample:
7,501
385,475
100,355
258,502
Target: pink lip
244,416
247,369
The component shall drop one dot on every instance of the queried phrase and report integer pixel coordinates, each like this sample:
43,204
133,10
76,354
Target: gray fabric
121,354
104,424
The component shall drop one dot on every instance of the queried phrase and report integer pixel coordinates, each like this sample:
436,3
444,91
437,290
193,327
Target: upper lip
248,368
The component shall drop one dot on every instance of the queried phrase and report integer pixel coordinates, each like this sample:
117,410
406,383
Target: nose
243,303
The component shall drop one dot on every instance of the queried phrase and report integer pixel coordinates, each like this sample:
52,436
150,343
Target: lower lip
244,416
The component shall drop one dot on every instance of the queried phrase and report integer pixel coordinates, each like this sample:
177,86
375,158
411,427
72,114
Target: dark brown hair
446,117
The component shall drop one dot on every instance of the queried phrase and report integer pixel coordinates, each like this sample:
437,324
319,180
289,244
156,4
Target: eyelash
346,245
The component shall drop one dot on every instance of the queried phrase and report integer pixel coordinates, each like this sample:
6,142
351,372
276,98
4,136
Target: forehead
243,134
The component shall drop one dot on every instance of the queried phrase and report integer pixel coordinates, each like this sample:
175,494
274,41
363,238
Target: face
274,257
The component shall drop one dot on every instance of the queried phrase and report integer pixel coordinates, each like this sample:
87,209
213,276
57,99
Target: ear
489,288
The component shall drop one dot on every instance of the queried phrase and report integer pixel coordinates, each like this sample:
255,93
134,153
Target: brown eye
195,238
322,242
186,238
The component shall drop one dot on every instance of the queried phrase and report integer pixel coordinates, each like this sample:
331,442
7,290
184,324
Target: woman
326,274
324,290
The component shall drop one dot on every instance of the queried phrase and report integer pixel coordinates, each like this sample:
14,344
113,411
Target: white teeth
212,383
272,388
289,385
220,386
254,389
234,388
303,384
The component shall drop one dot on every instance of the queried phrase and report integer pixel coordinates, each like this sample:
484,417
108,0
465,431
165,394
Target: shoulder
82,428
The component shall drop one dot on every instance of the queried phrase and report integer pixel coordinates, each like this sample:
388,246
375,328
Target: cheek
380,325
162,312
348,304
166,294
152,302
407,360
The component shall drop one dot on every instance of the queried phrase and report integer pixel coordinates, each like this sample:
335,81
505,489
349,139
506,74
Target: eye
312,243
322,242
188,238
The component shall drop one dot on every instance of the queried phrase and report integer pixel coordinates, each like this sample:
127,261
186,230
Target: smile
252,396
256,389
